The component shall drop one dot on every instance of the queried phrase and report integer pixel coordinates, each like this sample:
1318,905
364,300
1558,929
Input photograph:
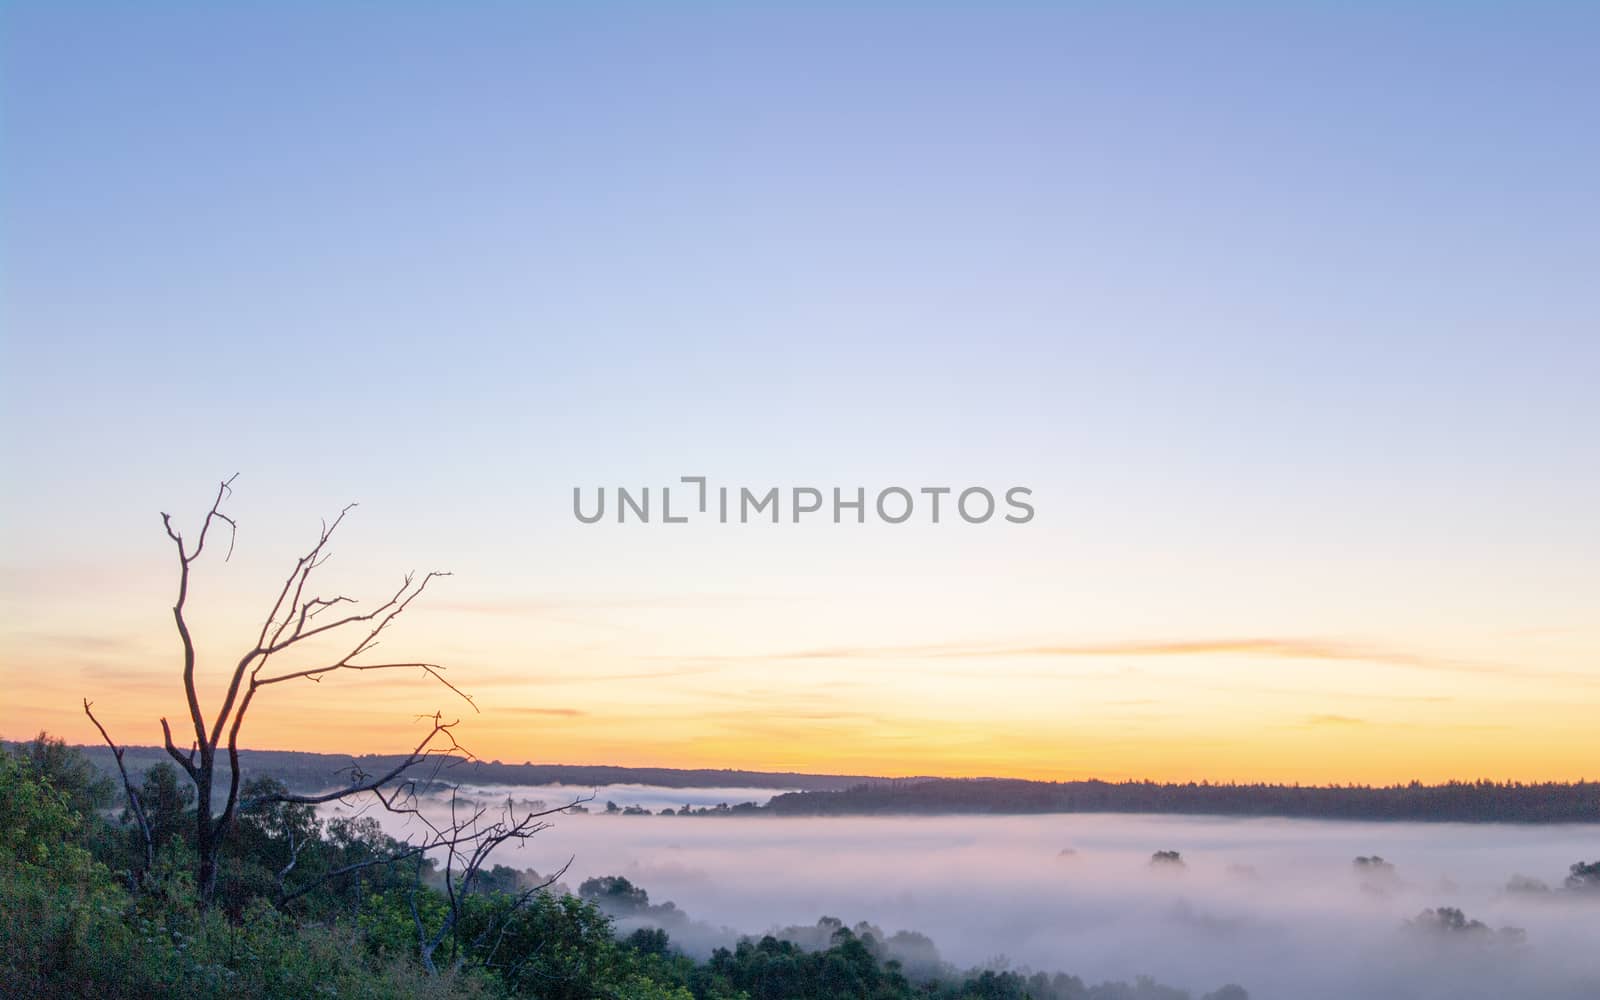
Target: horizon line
1579,782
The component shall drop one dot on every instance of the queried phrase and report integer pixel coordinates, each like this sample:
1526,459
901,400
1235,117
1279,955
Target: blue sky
1288,315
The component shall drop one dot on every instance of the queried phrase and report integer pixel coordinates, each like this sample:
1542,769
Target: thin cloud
644,675
1270,648
570,713
539,605
1334,720
84,644
124,680
1324,650
507,675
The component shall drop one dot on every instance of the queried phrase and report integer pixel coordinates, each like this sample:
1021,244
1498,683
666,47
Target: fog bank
1277,906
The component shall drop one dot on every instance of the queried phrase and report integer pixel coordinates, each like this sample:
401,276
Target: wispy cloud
1275,648
570,713
87,645
1253,647
522,677
542,604
1334,720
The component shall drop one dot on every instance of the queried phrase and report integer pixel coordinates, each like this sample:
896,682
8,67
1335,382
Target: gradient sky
1288,317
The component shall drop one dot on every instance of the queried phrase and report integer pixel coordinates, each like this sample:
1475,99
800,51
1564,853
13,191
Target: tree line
1456,801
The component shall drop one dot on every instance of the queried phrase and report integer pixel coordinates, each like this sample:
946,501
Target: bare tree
135,807
465,839
294,620
468,841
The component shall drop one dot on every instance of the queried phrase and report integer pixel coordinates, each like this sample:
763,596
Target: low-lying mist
1280,907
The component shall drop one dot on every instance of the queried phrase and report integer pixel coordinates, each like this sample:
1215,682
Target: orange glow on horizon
340,718
839,680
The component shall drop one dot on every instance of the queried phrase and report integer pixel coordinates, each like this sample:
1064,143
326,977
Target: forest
95,902
857,795
1455,802
301,771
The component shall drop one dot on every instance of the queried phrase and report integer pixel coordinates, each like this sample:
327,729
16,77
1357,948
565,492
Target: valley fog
1278,906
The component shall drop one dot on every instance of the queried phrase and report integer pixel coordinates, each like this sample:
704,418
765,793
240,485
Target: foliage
69,772
1449,924
1585,877
308,907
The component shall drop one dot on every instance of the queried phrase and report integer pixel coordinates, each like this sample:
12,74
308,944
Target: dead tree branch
295,619
467,844
134,805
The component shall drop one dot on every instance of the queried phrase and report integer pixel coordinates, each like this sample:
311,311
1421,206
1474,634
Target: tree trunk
205,832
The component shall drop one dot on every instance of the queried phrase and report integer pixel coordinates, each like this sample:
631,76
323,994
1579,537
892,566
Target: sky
1287,318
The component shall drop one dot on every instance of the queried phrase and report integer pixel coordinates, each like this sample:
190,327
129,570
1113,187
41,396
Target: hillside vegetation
309,907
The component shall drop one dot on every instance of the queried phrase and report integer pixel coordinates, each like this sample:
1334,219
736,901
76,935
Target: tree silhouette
300,621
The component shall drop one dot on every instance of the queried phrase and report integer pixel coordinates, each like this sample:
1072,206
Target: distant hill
315,772
800,794
1460,802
